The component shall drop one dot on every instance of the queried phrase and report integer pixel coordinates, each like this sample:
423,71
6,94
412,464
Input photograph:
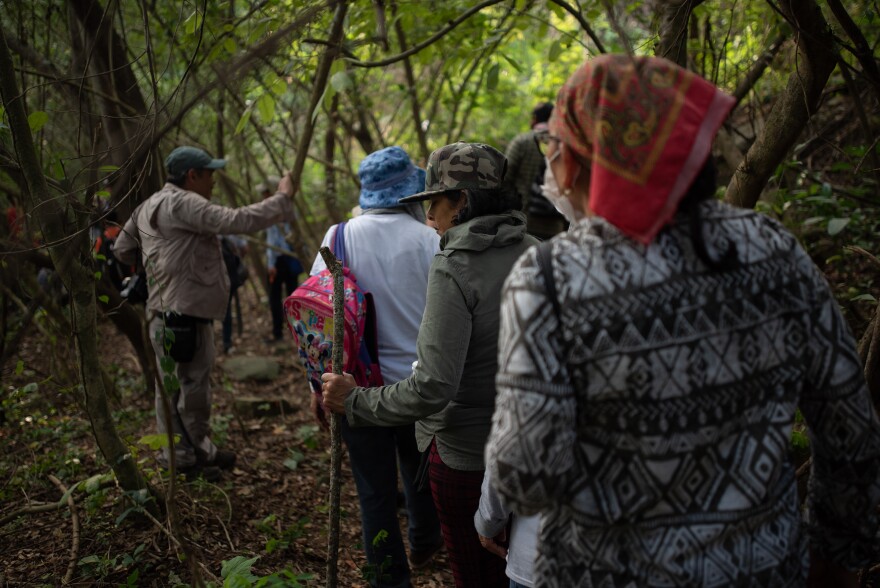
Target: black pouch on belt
181,344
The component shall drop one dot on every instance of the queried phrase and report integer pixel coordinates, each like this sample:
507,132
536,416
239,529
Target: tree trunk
333,43
130,322
674,16
329,155
815,61
122,105
70,257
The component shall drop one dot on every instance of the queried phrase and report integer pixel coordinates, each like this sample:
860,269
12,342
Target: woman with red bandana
651,361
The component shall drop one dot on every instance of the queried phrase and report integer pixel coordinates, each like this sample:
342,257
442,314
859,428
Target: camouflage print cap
462,166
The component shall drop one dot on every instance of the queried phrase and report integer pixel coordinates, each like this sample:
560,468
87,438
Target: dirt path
272,505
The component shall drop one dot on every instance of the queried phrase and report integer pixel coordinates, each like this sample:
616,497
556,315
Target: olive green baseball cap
461,166
185,158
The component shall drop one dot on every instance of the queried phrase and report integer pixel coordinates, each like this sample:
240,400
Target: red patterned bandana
646,126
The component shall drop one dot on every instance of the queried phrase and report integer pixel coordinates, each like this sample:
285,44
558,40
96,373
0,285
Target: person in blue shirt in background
283,269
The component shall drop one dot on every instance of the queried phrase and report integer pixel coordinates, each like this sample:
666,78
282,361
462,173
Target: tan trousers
191,414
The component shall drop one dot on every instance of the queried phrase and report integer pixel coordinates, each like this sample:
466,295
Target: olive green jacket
451,392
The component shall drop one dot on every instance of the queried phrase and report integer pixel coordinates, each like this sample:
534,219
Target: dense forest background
95,93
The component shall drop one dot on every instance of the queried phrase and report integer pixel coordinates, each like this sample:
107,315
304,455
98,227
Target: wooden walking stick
335,435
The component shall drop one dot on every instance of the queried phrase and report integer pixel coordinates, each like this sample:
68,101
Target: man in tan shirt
175,230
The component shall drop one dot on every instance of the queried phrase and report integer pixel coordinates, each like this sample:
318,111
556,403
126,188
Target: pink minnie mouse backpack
309,312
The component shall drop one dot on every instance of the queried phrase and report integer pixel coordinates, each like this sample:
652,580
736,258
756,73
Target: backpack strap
545,264
338,245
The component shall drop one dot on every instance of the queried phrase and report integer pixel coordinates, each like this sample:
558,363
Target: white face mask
550,190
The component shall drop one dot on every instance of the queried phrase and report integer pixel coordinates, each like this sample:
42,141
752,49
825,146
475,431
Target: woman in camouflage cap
451,392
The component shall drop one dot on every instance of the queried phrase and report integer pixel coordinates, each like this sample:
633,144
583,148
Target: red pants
456,496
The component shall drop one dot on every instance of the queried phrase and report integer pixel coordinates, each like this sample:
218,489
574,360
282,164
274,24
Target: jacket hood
483,232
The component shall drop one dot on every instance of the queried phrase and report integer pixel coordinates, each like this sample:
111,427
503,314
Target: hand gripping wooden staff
335,435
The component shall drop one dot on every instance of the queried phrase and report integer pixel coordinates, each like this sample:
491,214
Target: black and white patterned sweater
652,428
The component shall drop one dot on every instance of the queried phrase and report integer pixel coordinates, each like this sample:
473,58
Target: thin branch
74,519
427,42
582,21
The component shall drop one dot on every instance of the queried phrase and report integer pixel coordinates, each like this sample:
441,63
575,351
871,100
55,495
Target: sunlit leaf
243,120
555,51
154,442
492,77
266,108
36,120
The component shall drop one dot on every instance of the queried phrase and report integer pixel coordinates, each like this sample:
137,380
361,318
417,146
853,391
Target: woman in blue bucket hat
389,248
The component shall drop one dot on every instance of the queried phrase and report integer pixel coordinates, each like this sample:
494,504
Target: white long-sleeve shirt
390,255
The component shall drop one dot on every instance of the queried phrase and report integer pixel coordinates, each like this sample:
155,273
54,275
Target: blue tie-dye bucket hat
387,176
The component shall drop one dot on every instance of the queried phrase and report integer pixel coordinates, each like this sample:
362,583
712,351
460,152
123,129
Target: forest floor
272,505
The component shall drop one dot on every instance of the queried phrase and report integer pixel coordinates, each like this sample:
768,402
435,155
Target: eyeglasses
541,142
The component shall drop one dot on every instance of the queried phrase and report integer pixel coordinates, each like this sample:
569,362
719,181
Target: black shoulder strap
545,264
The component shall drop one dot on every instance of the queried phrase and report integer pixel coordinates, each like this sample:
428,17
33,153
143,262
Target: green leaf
154,442
36,120
167,363
19,367
800,440
557,10
93,484
193,23
294,460
861,297
171,383
555,51
103,298
836,225
513,62
107,169
266,108
243,120
238,566
229,45
30,388
341,82
492,77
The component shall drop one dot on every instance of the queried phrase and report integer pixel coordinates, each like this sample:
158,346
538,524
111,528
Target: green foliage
281,539
238,573
294,459
308,435
371,572
99,567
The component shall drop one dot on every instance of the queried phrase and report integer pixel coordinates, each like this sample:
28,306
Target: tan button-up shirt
176,231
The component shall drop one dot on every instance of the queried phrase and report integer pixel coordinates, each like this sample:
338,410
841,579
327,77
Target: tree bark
674,16
330,184
70,255
334,42
130,322
815,60
122,104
